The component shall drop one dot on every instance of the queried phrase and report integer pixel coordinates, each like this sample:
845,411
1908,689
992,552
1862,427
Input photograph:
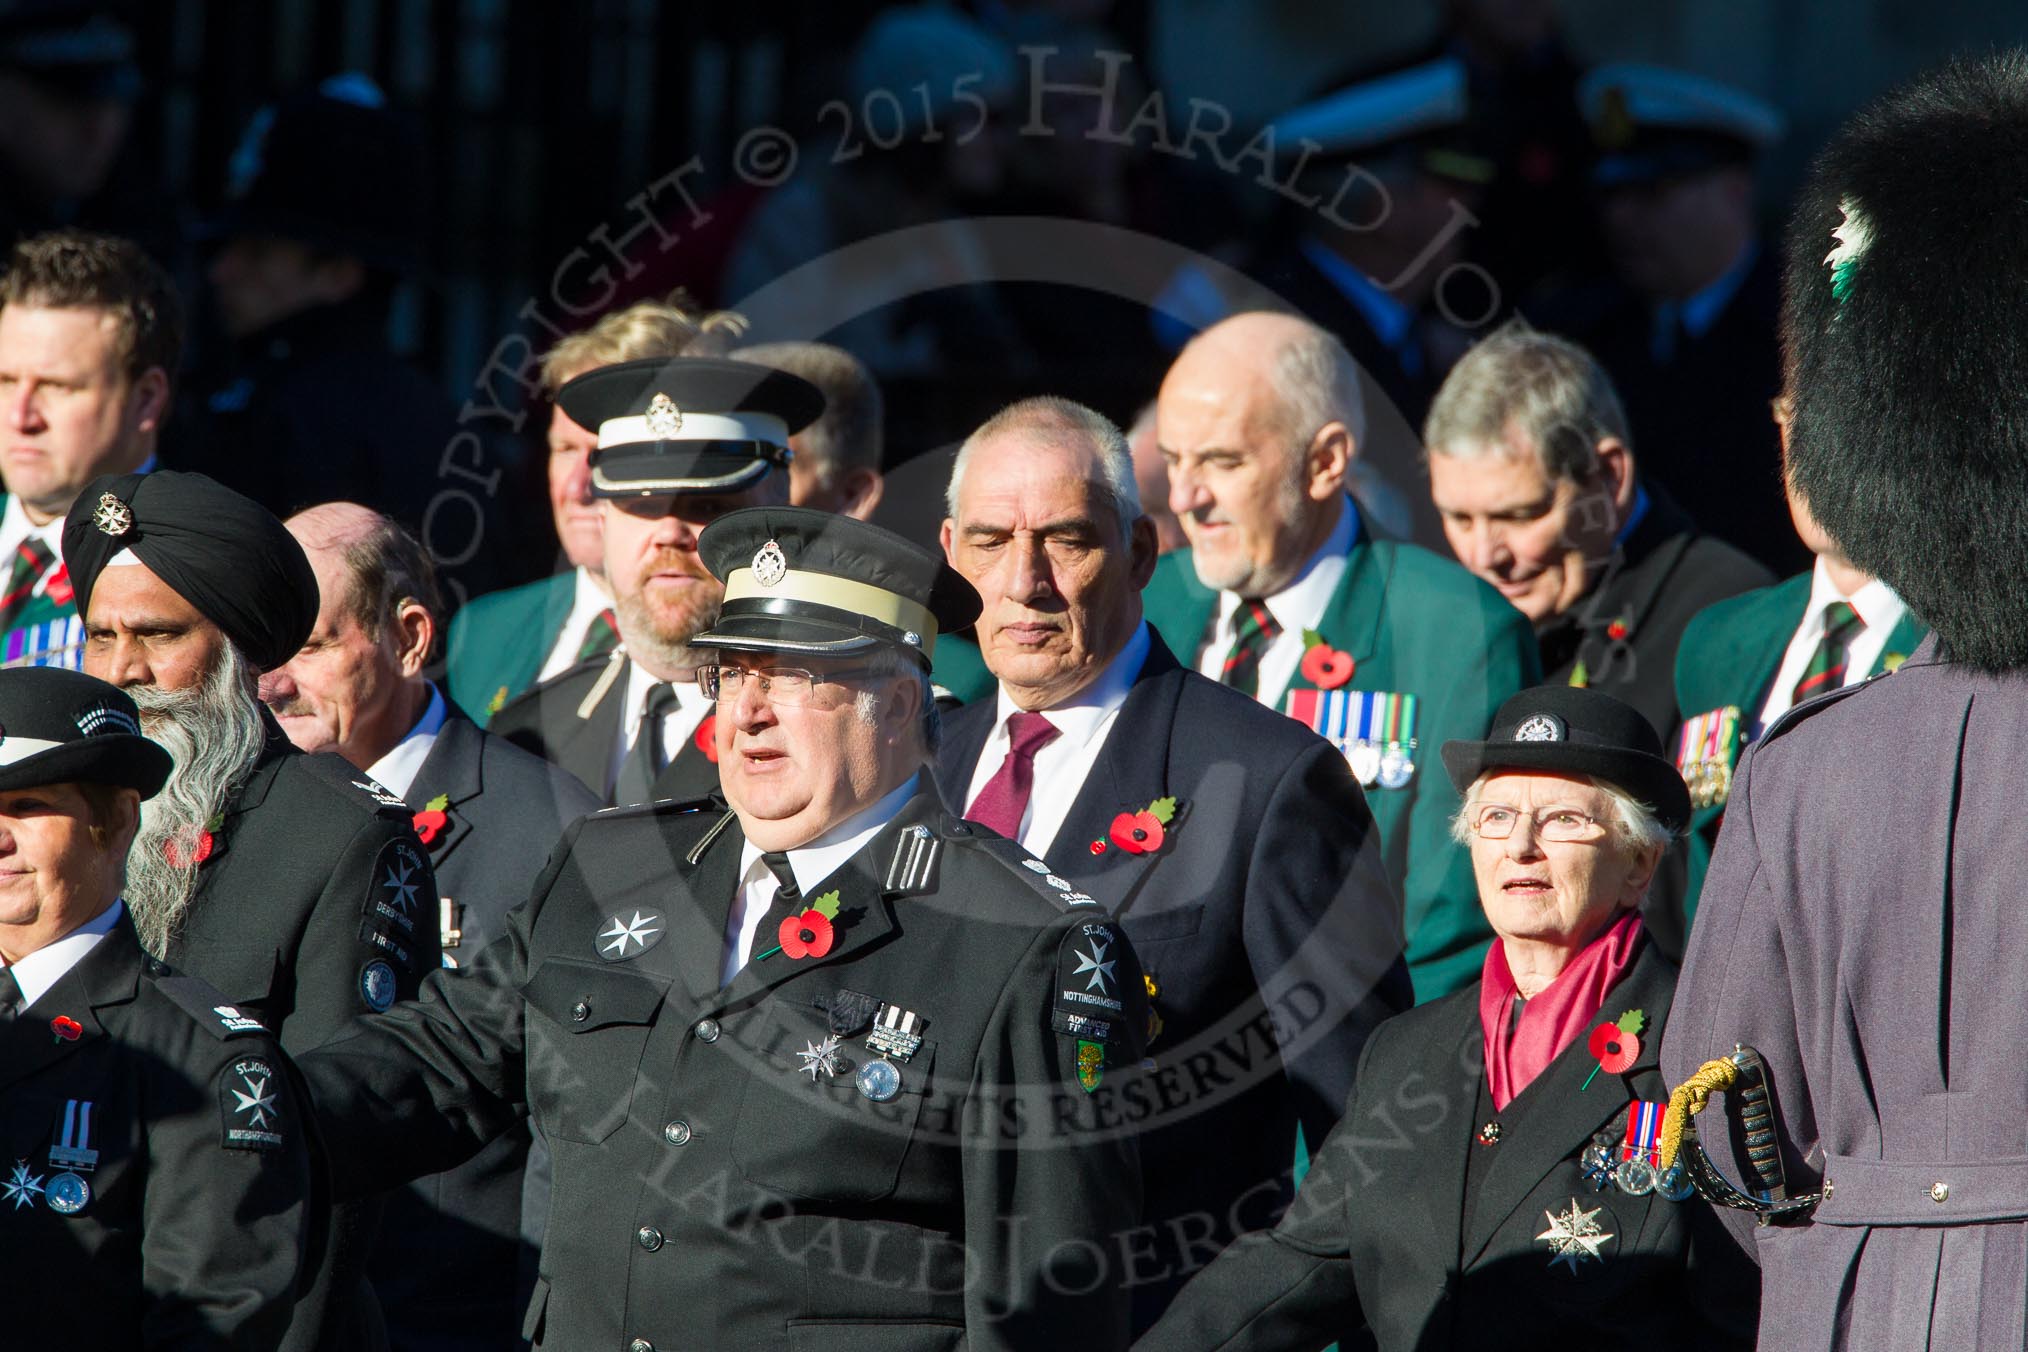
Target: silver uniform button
650,1238
580,1011
707,1030
1939,1192
640,1345
677,1133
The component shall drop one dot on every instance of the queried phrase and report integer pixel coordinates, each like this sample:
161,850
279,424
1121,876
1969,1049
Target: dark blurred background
552,132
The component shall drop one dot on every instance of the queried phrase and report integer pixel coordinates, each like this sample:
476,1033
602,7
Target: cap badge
112,516
1540,728
770,565
664,418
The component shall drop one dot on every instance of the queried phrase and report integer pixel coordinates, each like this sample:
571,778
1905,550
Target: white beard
214,733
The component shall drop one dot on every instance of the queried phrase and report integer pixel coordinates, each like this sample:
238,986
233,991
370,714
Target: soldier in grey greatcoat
1862,924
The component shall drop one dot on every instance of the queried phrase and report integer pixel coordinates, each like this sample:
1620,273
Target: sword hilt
1756,1119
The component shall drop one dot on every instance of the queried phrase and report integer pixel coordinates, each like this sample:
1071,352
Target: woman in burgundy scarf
1492,1182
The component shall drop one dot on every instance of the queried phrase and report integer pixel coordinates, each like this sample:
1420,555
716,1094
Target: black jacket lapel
689,774
108,975
454,770
1560,1115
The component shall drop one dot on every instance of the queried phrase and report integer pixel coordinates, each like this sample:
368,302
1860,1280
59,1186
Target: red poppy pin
1617,630
431,822
810,934
206,843
1324,666
1617,1045
66,1028
59,589
707,738
1140,832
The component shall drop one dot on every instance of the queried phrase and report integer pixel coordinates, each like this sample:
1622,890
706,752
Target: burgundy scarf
1517,1050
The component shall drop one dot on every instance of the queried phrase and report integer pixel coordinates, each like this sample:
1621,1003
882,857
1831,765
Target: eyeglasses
1562,825
785,687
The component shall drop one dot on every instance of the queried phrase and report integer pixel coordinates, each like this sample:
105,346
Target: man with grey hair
1288,594
1232,844
837,458
457,1249
1532,471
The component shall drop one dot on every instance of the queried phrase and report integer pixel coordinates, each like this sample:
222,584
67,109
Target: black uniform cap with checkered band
1574,731
670,425
64,727
819,585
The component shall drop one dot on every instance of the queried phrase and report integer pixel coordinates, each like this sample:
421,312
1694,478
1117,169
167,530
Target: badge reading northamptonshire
770,565
1574,1236
23,1189
664,418
249,1093
112,516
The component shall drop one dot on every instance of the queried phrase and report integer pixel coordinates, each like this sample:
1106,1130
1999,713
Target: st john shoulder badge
1086,1001
251,1099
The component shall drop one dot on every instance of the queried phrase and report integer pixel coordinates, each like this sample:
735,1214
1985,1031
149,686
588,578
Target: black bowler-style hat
821,585
687,424
64,727
1578,732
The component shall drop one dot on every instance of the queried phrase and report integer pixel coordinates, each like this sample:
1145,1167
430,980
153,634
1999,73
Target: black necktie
10,994
635,783
788,901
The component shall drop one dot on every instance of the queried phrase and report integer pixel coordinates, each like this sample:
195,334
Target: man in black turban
289,881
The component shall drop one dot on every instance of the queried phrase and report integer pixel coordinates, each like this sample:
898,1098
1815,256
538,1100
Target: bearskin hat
1905,322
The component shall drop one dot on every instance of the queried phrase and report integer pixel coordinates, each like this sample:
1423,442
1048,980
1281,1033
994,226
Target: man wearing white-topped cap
682,441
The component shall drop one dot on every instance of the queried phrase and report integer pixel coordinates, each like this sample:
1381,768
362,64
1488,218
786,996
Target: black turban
223,553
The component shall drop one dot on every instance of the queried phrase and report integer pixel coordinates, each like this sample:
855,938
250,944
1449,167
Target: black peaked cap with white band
64,727
821,585
670,425
1574,731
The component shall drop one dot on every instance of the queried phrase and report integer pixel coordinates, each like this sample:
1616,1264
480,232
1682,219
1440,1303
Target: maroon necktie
1002,804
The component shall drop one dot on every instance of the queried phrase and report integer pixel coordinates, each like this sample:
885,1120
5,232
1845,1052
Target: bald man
1286,594
455,1259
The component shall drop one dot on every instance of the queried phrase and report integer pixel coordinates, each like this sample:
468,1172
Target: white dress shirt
1880,610
1082,722
46,966
590,598
1298,606
811,863
678,725
396,771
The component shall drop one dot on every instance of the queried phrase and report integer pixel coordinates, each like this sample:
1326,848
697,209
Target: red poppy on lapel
66,1028
1142,832
707,738
430,822
1324,666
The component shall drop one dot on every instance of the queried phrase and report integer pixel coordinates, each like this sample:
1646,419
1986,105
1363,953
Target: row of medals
1390,766
1635,1176
1708,782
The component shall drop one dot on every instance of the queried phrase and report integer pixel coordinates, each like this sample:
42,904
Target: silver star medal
620,933
23,1189
1574,1236
818,1056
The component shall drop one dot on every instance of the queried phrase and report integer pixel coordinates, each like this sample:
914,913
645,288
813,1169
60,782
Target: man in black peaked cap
292,883
813,1056
153,1159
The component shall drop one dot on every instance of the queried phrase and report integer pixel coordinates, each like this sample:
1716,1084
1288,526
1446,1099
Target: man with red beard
681,442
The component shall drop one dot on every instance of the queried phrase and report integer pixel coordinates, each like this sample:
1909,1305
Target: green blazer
498,642
1726,661
961,669
1419,625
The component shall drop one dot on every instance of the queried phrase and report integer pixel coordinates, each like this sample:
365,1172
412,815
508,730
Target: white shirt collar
812,863
1301,604
1078,717
46,966
1878,606
396,771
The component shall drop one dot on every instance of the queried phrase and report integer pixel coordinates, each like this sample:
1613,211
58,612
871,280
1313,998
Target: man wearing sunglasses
681,441
815,1058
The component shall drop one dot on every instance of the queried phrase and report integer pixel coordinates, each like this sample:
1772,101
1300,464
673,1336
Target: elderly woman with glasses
1492,1183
